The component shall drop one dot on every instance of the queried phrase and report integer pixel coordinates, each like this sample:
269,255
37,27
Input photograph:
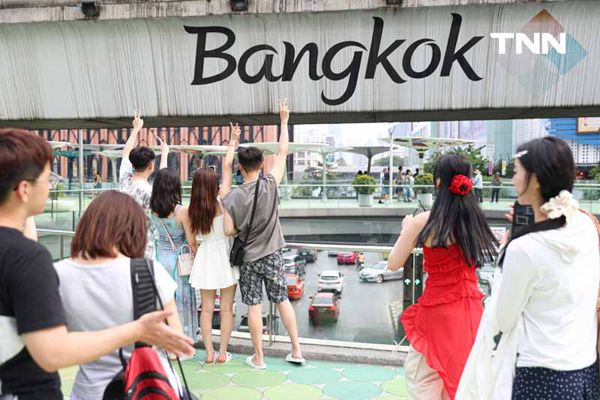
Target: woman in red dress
456,239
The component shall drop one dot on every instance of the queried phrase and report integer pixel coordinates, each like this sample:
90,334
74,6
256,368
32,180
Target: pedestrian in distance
478,185
496,185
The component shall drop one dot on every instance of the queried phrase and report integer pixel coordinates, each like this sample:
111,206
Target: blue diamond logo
566,62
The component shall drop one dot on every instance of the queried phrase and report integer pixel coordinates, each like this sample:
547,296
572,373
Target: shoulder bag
236,257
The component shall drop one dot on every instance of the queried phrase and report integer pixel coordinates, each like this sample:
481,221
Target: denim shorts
268,270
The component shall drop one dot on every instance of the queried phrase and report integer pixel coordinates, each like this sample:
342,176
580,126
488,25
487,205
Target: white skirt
212,269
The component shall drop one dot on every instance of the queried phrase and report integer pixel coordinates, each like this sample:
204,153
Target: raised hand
138,122
164,152
164,147
235,133
284,112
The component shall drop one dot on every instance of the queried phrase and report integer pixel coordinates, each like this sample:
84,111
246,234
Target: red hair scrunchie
461,185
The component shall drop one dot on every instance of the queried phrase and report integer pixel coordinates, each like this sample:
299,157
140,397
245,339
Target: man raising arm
263,241
282,152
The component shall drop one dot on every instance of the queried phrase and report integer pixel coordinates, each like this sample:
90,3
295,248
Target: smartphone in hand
523,216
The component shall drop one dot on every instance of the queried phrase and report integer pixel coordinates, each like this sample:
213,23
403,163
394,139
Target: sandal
227,358
214,360
250,362
290,358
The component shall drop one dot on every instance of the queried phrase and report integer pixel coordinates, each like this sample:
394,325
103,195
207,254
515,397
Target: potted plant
424,194
365,186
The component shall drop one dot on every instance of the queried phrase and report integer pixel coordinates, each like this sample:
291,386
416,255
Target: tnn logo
540,44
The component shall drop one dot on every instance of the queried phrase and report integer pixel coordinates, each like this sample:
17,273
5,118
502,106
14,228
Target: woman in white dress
212,270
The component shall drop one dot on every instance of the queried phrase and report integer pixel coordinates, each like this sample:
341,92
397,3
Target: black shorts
269,270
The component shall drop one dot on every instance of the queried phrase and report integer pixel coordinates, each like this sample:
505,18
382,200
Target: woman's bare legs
206,315
227,296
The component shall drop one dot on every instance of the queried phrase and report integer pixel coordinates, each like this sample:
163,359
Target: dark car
265,322
323,307
310,256
294,264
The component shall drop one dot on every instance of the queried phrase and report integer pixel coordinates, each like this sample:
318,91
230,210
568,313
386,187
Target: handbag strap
168,235
253,210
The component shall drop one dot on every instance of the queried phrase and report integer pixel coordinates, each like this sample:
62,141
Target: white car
379,273
331,281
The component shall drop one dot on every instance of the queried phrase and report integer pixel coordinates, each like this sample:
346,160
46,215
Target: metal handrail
56,232
487,185
294,245
61,238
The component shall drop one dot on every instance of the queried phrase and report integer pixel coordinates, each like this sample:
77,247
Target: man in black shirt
34,342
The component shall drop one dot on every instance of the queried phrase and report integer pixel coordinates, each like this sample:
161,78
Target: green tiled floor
285,381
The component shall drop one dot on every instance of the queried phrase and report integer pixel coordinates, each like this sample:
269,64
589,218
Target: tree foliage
473,153
595,173
385,161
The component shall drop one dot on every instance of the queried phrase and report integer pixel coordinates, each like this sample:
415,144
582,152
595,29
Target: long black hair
458,219
166,193
551,160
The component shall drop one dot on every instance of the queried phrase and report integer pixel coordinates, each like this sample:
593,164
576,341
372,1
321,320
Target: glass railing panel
367,310
57,242
308,196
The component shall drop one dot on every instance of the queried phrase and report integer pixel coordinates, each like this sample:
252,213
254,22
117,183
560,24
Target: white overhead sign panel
419,59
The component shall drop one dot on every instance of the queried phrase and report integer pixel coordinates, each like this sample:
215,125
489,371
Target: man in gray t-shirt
263,262
266,236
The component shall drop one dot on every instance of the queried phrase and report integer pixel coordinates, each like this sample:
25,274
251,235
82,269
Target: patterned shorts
536,383
269,270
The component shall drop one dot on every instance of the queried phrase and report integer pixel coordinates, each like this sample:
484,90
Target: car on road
295,286
332,253
294,264
323,307
379,273
310,256
243,327
346,257
331,281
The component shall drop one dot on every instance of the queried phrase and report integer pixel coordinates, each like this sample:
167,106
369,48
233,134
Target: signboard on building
385,64
588,125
